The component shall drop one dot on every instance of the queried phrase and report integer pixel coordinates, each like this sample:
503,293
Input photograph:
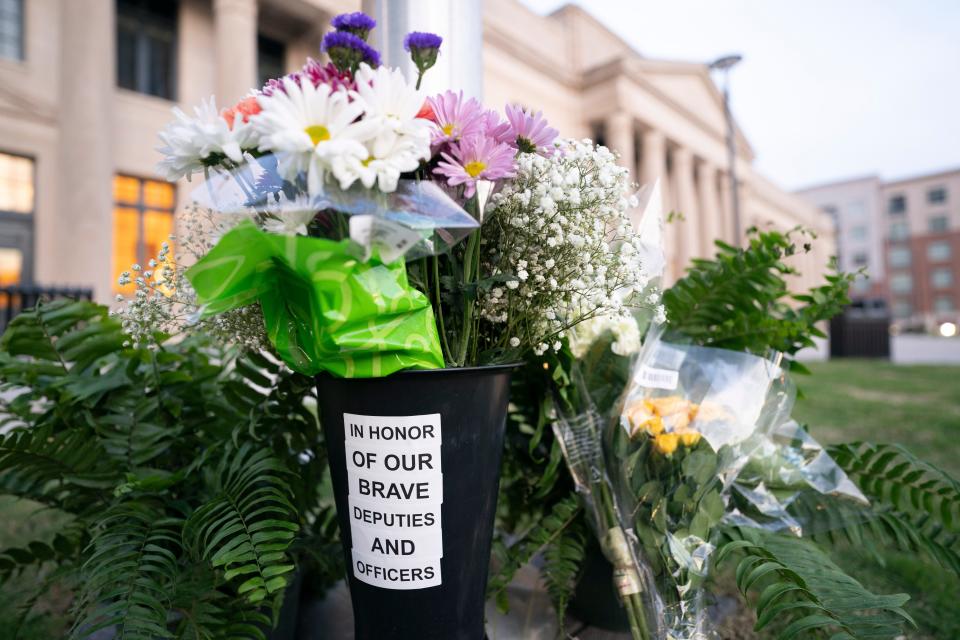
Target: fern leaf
563,559
548,531
59,468
247,527
802,587
131,564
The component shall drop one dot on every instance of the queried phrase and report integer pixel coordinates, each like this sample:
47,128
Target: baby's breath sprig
560,246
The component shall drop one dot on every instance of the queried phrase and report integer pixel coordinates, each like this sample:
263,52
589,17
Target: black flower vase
415,462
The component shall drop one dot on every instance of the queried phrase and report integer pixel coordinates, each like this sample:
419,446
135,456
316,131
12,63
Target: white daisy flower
308,127
392,105
190,144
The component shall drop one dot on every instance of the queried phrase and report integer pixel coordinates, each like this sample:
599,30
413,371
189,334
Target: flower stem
438,308
466,326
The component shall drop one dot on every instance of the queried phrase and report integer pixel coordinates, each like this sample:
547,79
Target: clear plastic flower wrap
417,219
705,440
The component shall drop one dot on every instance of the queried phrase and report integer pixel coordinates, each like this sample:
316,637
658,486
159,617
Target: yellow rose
689,438
654,426
666,443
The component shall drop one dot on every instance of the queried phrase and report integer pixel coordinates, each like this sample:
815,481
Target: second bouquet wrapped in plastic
408,251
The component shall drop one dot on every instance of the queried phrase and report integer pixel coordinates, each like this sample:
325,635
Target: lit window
146,51
858,232
938,251
941,278
271,59
937,195
943,304
901,283
897,204
899,256
11,29
938,224
16,183
899,231
902,309
11,266
142,221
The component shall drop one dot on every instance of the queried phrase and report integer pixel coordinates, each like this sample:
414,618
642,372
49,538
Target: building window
901,283
860,259
11,29
142,221
856,209
146,46
937,195
941,278
897,204
943,304
938,251
858,232
16,184
899,256
902,309
899,231
271,59
938,224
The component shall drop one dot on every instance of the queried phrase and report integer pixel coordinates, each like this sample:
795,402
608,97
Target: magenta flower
476,158
317,74
529,132
455,117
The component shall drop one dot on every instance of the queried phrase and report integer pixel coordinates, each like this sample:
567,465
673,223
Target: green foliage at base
184,475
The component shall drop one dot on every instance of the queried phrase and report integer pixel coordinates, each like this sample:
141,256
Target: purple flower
423,48
347,51
528,132
358,23
476,158
455,117
421,40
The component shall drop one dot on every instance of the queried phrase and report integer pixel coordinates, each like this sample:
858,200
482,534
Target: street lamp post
724,64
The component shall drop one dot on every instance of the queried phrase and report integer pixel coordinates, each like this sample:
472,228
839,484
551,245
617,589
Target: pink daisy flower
455,117
476,158
496,128
529,132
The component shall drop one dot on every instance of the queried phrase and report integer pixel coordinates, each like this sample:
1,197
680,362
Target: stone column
619,133
688,245
726,209
235,37
83,238
710,214
653,167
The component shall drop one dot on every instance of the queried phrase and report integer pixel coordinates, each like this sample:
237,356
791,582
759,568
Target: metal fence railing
16,298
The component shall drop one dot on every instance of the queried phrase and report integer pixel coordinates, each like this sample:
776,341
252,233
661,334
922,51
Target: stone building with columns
86,85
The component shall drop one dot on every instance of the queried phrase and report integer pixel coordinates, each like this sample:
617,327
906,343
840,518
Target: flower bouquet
408,251
675,444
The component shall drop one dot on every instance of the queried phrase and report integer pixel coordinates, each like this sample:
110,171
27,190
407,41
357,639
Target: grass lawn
919,407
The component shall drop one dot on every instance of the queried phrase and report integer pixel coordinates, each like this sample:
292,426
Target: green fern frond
246,528
206,613
563,559
548,531
800,587
132,563
54,468
63,334
740,299
890,474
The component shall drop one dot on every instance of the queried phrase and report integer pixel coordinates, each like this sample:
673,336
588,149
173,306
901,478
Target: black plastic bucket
418,566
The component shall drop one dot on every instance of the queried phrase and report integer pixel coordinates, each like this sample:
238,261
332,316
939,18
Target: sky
827,89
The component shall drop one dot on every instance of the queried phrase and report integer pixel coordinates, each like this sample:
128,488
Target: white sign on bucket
396,490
